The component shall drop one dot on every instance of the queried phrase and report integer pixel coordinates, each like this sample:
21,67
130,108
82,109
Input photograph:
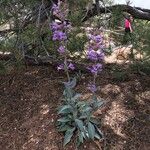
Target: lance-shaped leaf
91,130
63,119
98,131
81,137
68,136
71,84
64,128
65,109
80,124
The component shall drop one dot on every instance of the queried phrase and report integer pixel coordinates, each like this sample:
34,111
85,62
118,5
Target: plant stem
66,68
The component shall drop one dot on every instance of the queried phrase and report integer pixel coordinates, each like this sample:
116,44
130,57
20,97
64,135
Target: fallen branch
136,12
42,61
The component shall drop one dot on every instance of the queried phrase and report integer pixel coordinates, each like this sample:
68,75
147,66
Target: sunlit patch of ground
120,55
116,117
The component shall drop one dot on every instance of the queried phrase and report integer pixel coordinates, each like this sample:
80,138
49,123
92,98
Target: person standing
128,30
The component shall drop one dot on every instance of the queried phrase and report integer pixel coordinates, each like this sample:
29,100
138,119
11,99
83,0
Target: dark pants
127,36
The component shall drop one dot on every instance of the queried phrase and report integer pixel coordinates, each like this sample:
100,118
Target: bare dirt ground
29,101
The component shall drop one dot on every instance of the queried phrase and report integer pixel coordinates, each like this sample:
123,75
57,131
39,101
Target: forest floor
28,110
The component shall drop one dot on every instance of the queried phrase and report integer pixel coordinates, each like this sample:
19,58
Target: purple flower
55,8
59,35
92,55
61,49
66,24
60,67
71,66
98,39
100,55
58,12
95,55
55,26
94,69
92,88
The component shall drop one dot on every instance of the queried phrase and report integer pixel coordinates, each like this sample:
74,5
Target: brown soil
29,101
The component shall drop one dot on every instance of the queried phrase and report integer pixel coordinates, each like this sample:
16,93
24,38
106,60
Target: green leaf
100,103
81,103
81,137
65,109
64,128
87,109
83,117
84,135
94,121
77,96
97,103
80,124
91,130
63,119
98,131
68,92
71,84
97,136
68,135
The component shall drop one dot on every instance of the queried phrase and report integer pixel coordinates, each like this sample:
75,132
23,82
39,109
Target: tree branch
136,12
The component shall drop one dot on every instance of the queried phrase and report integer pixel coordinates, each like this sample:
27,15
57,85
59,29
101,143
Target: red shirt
127,23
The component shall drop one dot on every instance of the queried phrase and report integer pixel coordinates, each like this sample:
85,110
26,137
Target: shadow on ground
29,101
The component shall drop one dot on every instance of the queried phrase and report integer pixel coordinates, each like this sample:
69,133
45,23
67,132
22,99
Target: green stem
66,67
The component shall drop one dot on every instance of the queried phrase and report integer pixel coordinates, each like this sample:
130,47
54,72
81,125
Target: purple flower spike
71,66
92,55
94,69
96,38
61,49
55,26
55,8
60,67
92,88
59,35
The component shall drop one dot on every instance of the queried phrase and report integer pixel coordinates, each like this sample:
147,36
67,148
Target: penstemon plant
96,55
75,115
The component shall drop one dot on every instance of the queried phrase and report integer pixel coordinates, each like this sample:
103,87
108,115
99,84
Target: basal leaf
87,109
80,124
63,119
76,97
91,130
83,117
65,109
94,121
68,135
81,137
98,131
97,136
100,103
81,103
71,84
64,128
